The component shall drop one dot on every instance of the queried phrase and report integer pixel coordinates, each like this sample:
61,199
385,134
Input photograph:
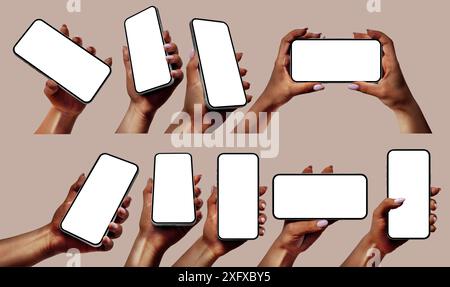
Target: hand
144,106
65,108
378,232
60,242
392,89
210,232
296,237
281,88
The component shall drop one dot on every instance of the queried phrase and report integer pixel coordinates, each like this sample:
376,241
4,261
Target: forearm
26,249
135,121
278,256
263,106
362,253
198,255
144,253
56,122
411,118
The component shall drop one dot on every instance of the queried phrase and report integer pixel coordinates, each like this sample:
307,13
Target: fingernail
318,87
167,46
109,59
322,223
263,205
434,218
169,57
399,200
262,220
191,54
331,167
353,87
64,26
263,231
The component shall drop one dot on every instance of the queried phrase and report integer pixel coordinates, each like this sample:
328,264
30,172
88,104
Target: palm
62,100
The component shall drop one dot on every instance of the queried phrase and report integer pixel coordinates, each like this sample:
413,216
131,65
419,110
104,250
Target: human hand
61,242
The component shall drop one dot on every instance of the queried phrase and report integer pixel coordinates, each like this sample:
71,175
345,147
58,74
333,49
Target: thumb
212,202
75,188
126,58
305,88
51,87
366,88
148,192
192,69
386,205
316,226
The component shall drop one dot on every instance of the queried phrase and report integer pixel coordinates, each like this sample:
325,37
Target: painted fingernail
399,200
353,87
263,205
169,57
263,219
318,87
263,231
322,223
191,54
167,46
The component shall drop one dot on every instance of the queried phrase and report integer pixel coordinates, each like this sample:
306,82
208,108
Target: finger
198,216
78,40
74,188
107,244
171,48
357,35
249,98
435,191
122,215
167,37
192,69
243,72
386,205
198,203
109,61
197,191
262,231
114,230
246,85
126,202
386,42
126,58
262,218
65,30
262,204
177,75
51,87
433,218
306,88
316,226
433,228
366,88
262,190
175,61
239,56
312,35
287,40
212,200
91,50
308,169
433,204
147,193
328,169
197,179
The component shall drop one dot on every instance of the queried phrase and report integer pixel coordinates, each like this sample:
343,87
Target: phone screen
320,196
238,196
98,199
57,57
218,66
329,60
173,192
409,178
146,47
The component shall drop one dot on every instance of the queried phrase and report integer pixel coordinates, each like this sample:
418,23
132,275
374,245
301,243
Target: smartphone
319,196
173,190
238,196
409,177
149,65
219,69
98,200
336,60
58,58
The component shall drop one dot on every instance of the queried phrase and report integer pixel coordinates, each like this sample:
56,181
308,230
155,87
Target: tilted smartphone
99,198
145,40
238,196
319,196
173,190
408,177
219,69
58,58
336,60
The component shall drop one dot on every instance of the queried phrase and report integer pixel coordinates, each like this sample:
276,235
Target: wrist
267,102
211,250
53,244
369,242
64,115
152,243
146,115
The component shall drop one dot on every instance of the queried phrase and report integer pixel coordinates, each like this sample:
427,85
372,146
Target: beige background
352,131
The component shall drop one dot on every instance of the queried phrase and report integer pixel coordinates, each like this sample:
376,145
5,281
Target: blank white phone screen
409,178
98,200
336,60
146,46
173,193
238,196
308,196
221,78
60,59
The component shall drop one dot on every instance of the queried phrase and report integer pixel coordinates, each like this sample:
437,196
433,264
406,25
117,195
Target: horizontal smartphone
320,196
58,58
336,60
98,200
219,69
238,196
408,177
173,190
149,65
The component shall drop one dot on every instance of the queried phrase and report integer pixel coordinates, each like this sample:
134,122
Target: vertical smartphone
238,196
145,40
219,69
58,58
408,177
173,190
319,196
336,60
99,198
